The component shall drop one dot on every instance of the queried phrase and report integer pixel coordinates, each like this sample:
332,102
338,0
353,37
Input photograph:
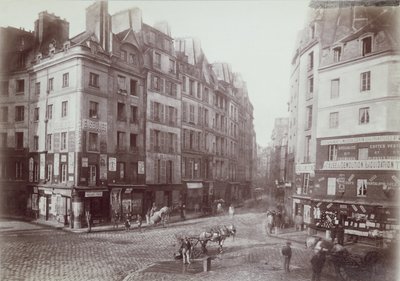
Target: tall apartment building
95,123
353,178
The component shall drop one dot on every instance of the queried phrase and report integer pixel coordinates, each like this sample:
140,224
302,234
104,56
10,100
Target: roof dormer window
366,45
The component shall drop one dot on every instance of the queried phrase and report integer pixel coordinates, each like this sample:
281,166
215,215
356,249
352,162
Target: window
363,153
157,60
171,66
156,83
310,86
133,142
334,120
121,114
157,112
366,46
306,182
92,175
19,167
49,172
48,142
184,83
50,86
49,111
35,172
123,55
332,152
133,59
19,113
121,84
191,107
20,87
191,87
65,82
169,167
335,88
36,114
337,54
3,139
170,88
37,88
36,143
63,140
93,109
19,140
133,87
364,115
199,90
93,142
120,140
121,169
134,111
94,80
4,88
4,114
311,61
331,186
151,37
64,108
309,117
365,81
63,172
361,188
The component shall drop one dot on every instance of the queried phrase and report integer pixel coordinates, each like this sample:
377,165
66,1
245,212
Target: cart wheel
195,253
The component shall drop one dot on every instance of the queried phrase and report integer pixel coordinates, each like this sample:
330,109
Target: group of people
129,219
276,219
317,261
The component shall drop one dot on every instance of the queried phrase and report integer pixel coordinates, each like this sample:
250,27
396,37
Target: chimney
98,22
50,28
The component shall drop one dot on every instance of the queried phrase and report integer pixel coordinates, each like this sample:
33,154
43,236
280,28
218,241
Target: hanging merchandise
327,220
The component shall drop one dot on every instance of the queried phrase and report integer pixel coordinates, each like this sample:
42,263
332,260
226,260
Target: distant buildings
343,127
116,118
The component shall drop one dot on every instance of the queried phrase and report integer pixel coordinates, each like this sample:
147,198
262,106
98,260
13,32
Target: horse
161,215
216,234
318,244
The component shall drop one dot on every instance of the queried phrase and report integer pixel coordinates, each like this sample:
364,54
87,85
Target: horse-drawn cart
354,262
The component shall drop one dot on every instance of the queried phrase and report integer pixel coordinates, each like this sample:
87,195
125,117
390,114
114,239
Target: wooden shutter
161,85
151,140
161,113
167,117
151,110
175,116
175,143
163,172
184,111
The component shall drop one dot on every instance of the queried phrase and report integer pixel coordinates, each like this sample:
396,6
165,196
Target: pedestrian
317,263
88,221
115,219
287,255
298,220
333,232
279,220
183,211
270,222
148,216
340,234
219,208
185,248
231,211
127,222
139,222
286,221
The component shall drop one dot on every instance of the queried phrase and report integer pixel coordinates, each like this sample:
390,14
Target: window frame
19,113
36,114
94,80
63,141
65,80
64,109
364,116
93,142
365,81
334,120
332,152
19,86
335,90
92,114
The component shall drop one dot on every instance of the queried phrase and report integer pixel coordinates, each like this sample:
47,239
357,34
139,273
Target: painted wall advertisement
71,162
112,164
42,166
56,163
103,166
141,167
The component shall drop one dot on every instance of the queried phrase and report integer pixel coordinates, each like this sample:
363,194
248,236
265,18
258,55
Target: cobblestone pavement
41,253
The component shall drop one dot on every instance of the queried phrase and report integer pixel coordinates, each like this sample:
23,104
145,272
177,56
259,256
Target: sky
257,38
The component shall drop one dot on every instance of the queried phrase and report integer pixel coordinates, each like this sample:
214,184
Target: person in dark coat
287,255
317,263
340,234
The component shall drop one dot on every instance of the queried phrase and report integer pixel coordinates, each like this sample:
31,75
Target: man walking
185,248
287,255
317,263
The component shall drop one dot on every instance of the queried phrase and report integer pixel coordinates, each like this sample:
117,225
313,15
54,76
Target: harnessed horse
161,216
216,234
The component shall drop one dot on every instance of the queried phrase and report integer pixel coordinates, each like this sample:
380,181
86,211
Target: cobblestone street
42,253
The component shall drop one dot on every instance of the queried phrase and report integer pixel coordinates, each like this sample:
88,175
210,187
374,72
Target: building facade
104,122
353,178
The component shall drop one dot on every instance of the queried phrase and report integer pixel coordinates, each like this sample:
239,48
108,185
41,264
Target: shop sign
329,205
354,208
63,158
128,190
57,163
342,206
362,208
48,192
319,204
71,178
103,166
94,194
42,165
141,167
341,179
112,164
35,189
31,169
341,188
305,168
385,138
71,162
362,165
85,162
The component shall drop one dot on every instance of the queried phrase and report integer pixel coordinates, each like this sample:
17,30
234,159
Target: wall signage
392,165
93,194
141,167
85,162
112,164
305,168
393,138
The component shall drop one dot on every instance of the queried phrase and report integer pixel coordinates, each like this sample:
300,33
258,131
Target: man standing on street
287,255
317,263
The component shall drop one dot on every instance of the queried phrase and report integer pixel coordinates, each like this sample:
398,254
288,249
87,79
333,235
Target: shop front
127,200
195,191
50,203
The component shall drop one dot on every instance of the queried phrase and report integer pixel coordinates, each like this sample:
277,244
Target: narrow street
32,252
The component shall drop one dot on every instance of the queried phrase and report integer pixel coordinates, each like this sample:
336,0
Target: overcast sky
256,37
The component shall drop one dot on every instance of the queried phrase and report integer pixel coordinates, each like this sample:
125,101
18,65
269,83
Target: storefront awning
194,185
